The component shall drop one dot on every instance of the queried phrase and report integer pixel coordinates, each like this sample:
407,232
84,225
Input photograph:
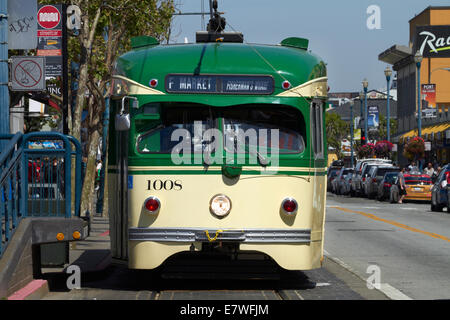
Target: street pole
365,85
4,90
101,196
388,74
418,101
351,132
418,59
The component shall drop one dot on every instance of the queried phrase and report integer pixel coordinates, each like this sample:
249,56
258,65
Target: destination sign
219,84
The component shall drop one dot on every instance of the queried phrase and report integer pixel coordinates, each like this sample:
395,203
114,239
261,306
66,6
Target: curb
35,290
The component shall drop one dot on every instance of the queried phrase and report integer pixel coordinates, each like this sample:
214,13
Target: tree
106,30
336,130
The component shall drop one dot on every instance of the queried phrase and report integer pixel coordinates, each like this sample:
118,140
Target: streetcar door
317,155
118,193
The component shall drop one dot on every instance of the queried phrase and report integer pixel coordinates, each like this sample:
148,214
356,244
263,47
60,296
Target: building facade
429,35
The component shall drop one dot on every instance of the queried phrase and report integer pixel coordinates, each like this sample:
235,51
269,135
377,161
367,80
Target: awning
426,130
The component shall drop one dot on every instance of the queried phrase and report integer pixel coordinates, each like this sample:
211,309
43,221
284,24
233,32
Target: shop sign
433,41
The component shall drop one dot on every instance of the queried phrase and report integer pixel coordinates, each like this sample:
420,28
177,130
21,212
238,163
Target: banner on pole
373,119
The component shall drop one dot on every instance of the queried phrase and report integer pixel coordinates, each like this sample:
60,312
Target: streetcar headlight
152,204
220,205
289,206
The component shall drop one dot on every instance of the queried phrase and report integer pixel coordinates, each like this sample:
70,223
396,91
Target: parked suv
384,187
356,187
375,175
440,196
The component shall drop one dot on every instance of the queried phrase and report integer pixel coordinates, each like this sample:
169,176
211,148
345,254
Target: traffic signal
363,138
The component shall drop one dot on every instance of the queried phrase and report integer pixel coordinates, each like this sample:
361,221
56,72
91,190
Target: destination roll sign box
219,84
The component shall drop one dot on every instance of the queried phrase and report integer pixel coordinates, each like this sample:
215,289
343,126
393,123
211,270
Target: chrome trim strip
210,235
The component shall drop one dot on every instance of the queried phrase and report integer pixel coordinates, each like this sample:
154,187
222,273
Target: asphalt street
408,243
402,251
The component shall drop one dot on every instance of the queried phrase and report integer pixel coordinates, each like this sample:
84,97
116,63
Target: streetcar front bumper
211,235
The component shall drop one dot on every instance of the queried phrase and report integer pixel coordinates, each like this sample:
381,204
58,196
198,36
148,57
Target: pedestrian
98,170
429,170
413,167
401,184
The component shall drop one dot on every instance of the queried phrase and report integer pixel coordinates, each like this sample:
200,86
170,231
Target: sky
337,30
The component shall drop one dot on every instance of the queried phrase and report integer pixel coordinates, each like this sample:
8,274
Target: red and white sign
48,17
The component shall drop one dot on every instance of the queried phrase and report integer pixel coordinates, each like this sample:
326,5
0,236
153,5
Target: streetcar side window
317,129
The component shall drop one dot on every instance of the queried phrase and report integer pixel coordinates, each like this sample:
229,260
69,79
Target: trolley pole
4,90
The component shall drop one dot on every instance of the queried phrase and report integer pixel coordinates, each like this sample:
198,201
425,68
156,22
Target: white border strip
386,288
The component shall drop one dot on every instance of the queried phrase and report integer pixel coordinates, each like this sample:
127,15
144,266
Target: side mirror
122,122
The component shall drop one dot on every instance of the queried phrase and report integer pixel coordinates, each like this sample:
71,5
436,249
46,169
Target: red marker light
289,205
153,83
152,204
286,85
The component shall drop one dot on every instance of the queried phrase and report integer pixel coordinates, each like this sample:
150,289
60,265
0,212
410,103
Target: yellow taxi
418,187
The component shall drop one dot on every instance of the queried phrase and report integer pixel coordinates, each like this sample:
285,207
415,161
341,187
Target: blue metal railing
35,179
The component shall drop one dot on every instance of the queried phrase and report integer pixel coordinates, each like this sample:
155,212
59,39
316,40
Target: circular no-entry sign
48,17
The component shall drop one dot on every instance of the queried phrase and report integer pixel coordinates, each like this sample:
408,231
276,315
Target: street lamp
418,59
365,84
388,73
351,131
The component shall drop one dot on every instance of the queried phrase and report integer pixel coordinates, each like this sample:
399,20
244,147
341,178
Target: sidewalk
91,255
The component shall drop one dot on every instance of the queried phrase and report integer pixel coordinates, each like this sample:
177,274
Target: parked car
365,175
418,187
345,184
332,173
340,179
375,175
384,187
440,192
357,179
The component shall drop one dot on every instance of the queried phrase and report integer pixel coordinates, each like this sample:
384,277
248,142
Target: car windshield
347,172
382,171
391,177
334,172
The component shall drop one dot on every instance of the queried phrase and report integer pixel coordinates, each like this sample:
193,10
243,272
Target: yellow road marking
394,223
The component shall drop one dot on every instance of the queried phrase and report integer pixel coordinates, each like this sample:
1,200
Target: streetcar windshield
263,129
243,128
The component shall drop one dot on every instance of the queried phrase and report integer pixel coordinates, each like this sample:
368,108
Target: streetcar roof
295,65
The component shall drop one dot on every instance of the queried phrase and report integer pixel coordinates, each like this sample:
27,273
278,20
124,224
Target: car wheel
394,197
435,207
